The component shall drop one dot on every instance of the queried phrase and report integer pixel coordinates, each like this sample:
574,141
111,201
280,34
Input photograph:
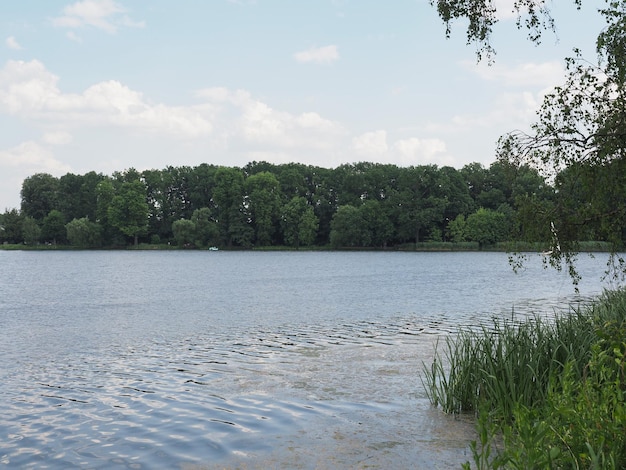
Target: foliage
128,209
39,195
485,227
456,229
206,229
348,228
11,227
263,205
579,143
30,231
299,223
295,205
53,228
534,15
184,232
83,233
228,196
552,392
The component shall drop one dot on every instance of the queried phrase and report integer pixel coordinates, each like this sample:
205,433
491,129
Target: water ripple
203,398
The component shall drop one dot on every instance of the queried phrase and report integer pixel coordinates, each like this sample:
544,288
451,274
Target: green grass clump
551,392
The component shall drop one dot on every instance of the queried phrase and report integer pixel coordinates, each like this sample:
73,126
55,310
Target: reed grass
506,362
552,389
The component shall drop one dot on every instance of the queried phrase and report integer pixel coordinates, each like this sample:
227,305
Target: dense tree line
261,204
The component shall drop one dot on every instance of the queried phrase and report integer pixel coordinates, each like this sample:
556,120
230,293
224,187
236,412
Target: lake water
141,359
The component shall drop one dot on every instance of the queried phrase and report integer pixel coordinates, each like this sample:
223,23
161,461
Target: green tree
53,228
264,202
77,195
348,228
11,227
207,232
201,180
377,222
40,194
30,231
456,229
298,222
184,232
128,210
105,192
83,233
418,206
485,227
228,196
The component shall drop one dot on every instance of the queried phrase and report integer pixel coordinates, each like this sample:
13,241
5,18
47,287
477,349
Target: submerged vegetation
548,393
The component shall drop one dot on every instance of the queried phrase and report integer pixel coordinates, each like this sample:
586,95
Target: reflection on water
207,401
102,366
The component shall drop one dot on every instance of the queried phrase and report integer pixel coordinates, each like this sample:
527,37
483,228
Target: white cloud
404,152
21,161
12,43
371,144
32,157
543,75
318,55
57,138
219,94
106,15
415,151
72,36
257,123
29,90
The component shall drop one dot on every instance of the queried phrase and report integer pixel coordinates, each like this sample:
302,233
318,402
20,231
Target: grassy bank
547,393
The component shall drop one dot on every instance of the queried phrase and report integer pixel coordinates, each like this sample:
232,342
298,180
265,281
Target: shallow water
243,360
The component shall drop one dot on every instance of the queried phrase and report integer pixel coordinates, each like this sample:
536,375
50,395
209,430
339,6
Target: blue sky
106,85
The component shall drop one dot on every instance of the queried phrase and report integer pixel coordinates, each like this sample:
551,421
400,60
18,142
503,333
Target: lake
189,359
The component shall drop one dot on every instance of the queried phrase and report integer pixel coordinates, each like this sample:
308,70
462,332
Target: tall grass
553,390
506,362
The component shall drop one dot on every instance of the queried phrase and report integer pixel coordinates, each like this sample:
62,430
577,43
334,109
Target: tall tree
377,222
206,230
40,195
418,205
349,229
264,203
228,197
30,231
11,227
128,210
298,222
53,228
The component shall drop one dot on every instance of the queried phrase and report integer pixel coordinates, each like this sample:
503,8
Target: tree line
262,204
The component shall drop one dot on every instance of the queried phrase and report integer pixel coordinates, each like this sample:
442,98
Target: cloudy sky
106,85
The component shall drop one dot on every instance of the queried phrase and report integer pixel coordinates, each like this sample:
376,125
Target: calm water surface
241,359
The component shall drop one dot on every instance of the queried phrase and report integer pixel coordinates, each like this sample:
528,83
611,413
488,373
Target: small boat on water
213,248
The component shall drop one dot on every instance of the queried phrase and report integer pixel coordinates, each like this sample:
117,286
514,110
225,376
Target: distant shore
510,247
